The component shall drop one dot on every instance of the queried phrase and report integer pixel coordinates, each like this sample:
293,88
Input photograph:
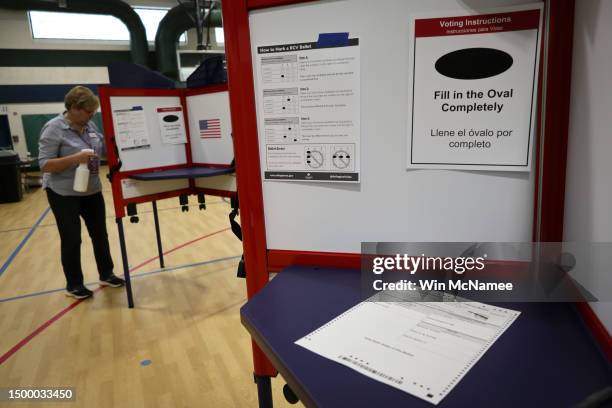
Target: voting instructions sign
474,88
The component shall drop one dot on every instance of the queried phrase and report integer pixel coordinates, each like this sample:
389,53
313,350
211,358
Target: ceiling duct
139,48
178,20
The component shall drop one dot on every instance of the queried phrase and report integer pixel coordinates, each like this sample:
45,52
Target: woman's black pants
67,211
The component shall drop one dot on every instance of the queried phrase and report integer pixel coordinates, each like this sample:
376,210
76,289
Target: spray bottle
81,176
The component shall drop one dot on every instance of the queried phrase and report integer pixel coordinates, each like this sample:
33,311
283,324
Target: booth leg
158,235
124,259
264,391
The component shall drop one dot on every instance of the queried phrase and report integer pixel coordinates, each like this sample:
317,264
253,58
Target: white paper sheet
463,117
309,111
423,348
171,125
131,128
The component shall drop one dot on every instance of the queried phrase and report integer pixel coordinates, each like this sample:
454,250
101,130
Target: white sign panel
172,125
474,85
131,128
309,108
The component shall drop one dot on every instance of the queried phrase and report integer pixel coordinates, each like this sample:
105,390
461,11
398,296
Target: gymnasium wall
29,62
37,84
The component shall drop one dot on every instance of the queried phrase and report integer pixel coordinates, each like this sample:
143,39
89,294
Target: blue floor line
111,216
25,228
135,276
12,256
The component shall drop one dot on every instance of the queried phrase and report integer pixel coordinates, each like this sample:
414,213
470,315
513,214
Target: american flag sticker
210,128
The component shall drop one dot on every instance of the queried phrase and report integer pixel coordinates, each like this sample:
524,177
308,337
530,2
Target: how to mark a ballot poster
473,86
131,128
309,111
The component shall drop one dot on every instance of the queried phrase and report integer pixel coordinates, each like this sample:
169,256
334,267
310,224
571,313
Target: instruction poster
172,125
131,129
309,111
473,88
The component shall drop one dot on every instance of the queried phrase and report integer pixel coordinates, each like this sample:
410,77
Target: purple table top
190,172
547,358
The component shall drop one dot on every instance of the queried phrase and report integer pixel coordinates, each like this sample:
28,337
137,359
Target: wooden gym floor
183,344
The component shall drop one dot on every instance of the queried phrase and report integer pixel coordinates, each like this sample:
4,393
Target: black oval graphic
170,118
474,63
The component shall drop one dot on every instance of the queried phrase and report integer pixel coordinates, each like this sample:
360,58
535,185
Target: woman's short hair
81,97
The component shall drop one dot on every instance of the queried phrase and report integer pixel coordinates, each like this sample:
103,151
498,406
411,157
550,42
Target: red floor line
36,332
68,308
178,247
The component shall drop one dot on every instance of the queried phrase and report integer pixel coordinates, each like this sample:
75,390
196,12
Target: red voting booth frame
550,164
119,201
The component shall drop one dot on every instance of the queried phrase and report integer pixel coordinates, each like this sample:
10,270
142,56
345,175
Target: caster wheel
290,395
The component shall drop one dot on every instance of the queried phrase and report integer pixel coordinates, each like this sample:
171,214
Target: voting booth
164,143
399,121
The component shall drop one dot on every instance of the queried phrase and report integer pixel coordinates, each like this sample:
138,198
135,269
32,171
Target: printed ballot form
308,107
473,89
422,348
131,128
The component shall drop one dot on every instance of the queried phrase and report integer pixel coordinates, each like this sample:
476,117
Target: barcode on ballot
370,369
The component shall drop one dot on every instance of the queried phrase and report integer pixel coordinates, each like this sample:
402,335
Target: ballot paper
422,348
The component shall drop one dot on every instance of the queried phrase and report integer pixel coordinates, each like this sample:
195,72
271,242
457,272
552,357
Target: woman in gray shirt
61,145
